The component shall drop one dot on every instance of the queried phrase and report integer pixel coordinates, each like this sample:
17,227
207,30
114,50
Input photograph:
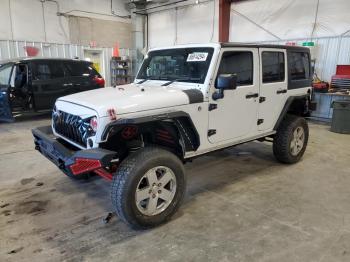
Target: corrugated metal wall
14,49
329,52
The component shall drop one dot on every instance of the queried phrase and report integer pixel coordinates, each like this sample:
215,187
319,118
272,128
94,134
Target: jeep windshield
178,64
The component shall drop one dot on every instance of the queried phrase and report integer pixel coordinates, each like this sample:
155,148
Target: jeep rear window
180,64
273,66
299,65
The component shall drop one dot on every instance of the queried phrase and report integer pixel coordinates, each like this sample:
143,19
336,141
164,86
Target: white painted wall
23,19
263,21
251,21
194,23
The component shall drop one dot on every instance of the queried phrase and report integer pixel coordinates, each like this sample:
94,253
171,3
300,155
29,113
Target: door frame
279,85
102,59
256,82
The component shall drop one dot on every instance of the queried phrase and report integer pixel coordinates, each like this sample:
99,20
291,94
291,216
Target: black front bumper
63,156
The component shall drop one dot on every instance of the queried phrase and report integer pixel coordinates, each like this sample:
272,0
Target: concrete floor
241,205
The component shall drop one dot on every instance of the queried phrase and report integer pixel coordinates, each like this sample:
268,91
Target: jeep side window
299,65
239,63
273,66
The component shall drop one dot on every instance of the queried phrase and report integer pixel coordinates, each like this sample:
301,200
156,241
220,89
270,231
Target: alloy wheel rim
155,191
297,143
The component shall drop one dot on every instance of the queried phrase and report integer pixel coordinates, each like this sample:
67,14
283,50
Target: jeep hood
132,98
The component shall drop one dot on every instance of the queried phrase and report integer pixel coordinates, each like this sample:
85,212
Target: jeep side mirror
224,82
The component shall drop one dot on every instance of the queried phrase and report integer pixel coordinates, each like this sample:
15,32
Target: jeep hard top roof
234,44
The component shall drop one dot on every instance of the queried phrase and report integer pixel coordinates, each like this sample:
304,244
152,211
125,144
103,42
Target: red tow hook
83,165
104,174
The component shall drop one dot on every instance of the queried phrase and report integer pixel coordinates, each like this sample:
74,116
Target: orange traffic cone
116,50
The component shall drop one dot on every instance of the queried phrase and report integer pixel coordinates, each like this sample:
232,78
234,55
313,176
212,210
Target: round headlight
93,123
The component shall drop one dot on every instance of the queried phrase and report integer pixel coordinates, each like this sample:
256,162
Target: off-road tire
283,138
127,177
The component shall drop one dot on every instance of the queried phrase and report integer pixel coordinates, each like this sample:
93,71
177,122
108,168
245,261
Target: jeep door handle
68,84
281,91
252,95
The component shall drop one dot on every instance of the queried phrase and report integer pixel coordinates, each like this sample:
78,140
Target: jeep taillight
99,81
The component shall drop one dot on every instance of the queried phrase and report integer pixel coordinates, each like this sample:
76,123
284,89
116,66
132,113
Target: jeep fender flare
188,134
288,108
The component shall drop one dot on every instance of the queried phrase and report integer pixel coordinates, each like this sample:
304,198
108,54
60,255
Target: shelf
121,76
120,61
120,71
120,68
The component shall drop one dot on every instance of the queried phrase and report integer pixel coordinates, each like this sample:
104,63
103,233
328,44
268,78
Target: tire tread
281,142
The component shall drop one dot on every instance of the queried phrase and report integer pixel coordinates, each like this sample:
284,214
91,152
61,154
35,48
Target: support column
224,20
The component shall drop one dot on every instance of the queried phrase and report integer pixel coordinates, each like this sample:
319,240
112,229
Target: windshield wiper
142,81
180,79
169,82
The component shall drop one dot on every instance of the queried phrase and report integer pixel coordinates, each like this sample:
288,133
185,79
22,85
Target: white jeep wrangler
186,101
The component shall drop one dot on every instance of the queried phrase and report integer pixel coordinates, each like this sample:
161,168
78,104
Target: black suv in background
34,84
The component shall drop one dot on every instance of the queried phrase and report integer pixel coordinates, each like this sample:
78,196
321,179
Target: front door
273,86
235,116
5,86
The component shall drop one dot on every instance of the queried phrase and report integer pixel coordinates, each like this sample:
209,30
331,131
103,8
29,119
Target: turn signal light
93,124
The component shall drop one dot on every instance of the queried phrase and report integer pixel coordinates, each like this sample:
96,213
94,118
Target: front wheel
291,139
148,187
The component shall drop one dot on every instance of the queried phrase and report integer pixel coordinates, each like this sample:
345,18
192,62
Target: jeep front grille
72,127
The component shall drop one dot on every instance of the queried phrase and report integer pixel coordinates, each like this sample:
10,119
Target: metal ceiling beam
224,19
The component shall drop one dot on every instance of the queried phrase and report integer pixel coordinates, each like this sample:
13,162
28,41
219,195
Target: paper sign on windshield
197,57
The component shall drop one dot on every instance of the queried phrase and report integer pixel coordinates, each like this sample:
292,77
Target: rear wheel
291,139
148,187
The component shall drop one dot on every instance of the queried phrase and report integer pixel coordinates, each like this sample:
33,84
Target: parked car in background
34,84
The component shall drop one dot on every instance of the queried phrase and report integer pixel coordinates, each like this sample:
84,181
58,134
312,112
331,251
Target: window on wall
273,67
239,63
299,65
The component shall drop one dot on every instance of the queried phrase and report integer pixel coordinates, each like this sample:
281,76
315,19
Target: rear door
5,107
48,83
273,86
